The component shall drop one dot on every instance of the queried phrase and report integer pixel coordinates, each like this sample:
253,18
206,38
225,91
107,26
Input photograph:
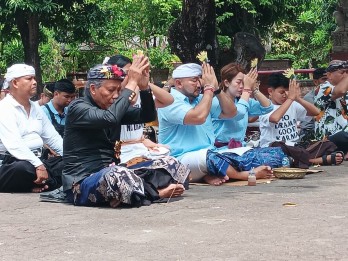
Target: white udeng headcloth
16,71
187,70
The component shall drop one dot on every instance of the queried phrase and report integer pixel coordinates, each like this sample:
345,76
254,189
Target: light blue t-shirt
179,137
59,118
235,128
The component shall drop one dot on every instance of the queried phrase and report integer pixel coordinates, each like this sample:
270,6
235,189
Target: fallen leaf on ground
289,204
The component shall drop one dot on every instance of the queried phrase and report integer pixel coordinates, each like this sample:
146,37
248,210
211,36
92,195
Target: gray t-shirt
308,124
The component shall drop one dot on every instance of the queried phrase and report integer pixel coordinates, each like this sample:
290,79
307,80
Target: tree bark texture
28,26
195,31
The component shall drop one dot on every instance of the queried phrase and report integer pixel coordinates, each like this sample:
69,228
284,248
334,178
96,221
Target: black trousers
19,175
341,140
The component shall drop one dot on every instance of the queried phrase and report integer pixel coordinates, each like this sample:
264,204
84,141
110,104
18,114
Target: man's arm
310,108
162,97
294,90
341,88
82,113
279,113
86,115
146,112
199,113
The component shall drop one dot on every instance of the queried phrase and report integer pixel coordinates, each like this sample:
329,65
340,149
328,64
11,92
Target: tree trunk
195,31
28,26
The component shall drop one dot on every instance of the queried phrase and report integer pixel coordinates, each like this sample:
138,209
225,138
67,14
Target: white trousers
196,162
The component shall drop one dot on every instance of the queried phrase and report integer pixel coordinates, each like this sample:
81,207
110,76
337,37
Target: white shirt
20,133
286,129
133,132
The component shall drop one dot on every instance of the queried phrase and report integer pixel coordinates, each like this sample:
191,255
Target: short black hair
318,73
50,86
64,85
119,60
276,80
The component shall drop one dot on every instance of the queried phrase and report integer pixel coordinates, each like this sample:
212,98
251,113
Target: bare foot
215,181
39,189
263,172
173,190
114,203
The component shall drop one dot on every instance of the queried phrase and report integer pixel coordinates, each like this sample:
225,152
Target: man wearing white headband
24,128
186,125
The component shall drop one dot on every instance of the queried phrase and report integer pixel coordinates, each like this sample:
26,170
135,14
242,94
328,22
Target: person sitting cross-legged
280,125
91,175
239,87
186,127
331,98
24,129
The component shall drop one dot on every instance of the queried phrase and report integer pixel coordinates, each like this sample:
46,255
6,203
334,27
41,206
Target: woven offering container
289,173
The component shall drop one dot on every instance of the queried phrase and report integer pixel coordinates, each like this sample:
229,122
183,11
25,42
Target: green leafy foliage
306,38
51,55
294,29
11,52
161,58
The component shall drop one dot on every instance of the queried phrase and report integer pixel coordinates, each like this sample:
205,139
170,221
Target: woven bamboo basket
289,173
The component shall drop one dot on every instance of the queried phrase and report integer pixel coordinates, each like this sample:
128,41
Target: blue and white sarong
217,162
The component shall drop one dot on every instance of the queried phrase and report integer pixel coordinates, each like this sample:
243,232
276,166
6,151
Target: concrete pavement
208,223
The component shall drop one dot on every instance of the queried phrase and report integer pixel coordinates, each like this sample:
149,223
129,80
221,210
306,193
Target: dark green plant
51,57
161,58
12,52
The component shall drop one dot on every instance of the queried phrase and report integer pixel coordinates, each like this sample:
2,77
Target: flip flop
333,158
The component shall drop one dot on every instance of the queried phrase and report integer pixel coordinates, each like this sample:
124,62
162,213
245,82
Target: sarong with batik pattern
217,163
177,171
130,186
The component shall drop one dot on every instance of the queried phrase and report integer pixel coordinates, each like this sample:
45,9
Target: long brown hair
228,72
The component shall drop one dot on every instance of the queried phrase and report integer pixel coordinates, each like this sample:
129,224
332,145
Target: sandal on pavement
332,158
57,196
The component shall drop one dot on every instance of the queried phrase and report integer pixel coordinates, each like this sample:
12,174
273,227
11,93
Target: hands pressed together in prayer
294,90
250,80
139,73
209,77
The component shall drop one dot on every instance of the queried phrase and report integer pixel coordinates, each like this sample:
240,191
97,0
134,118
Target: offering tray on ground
289,173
